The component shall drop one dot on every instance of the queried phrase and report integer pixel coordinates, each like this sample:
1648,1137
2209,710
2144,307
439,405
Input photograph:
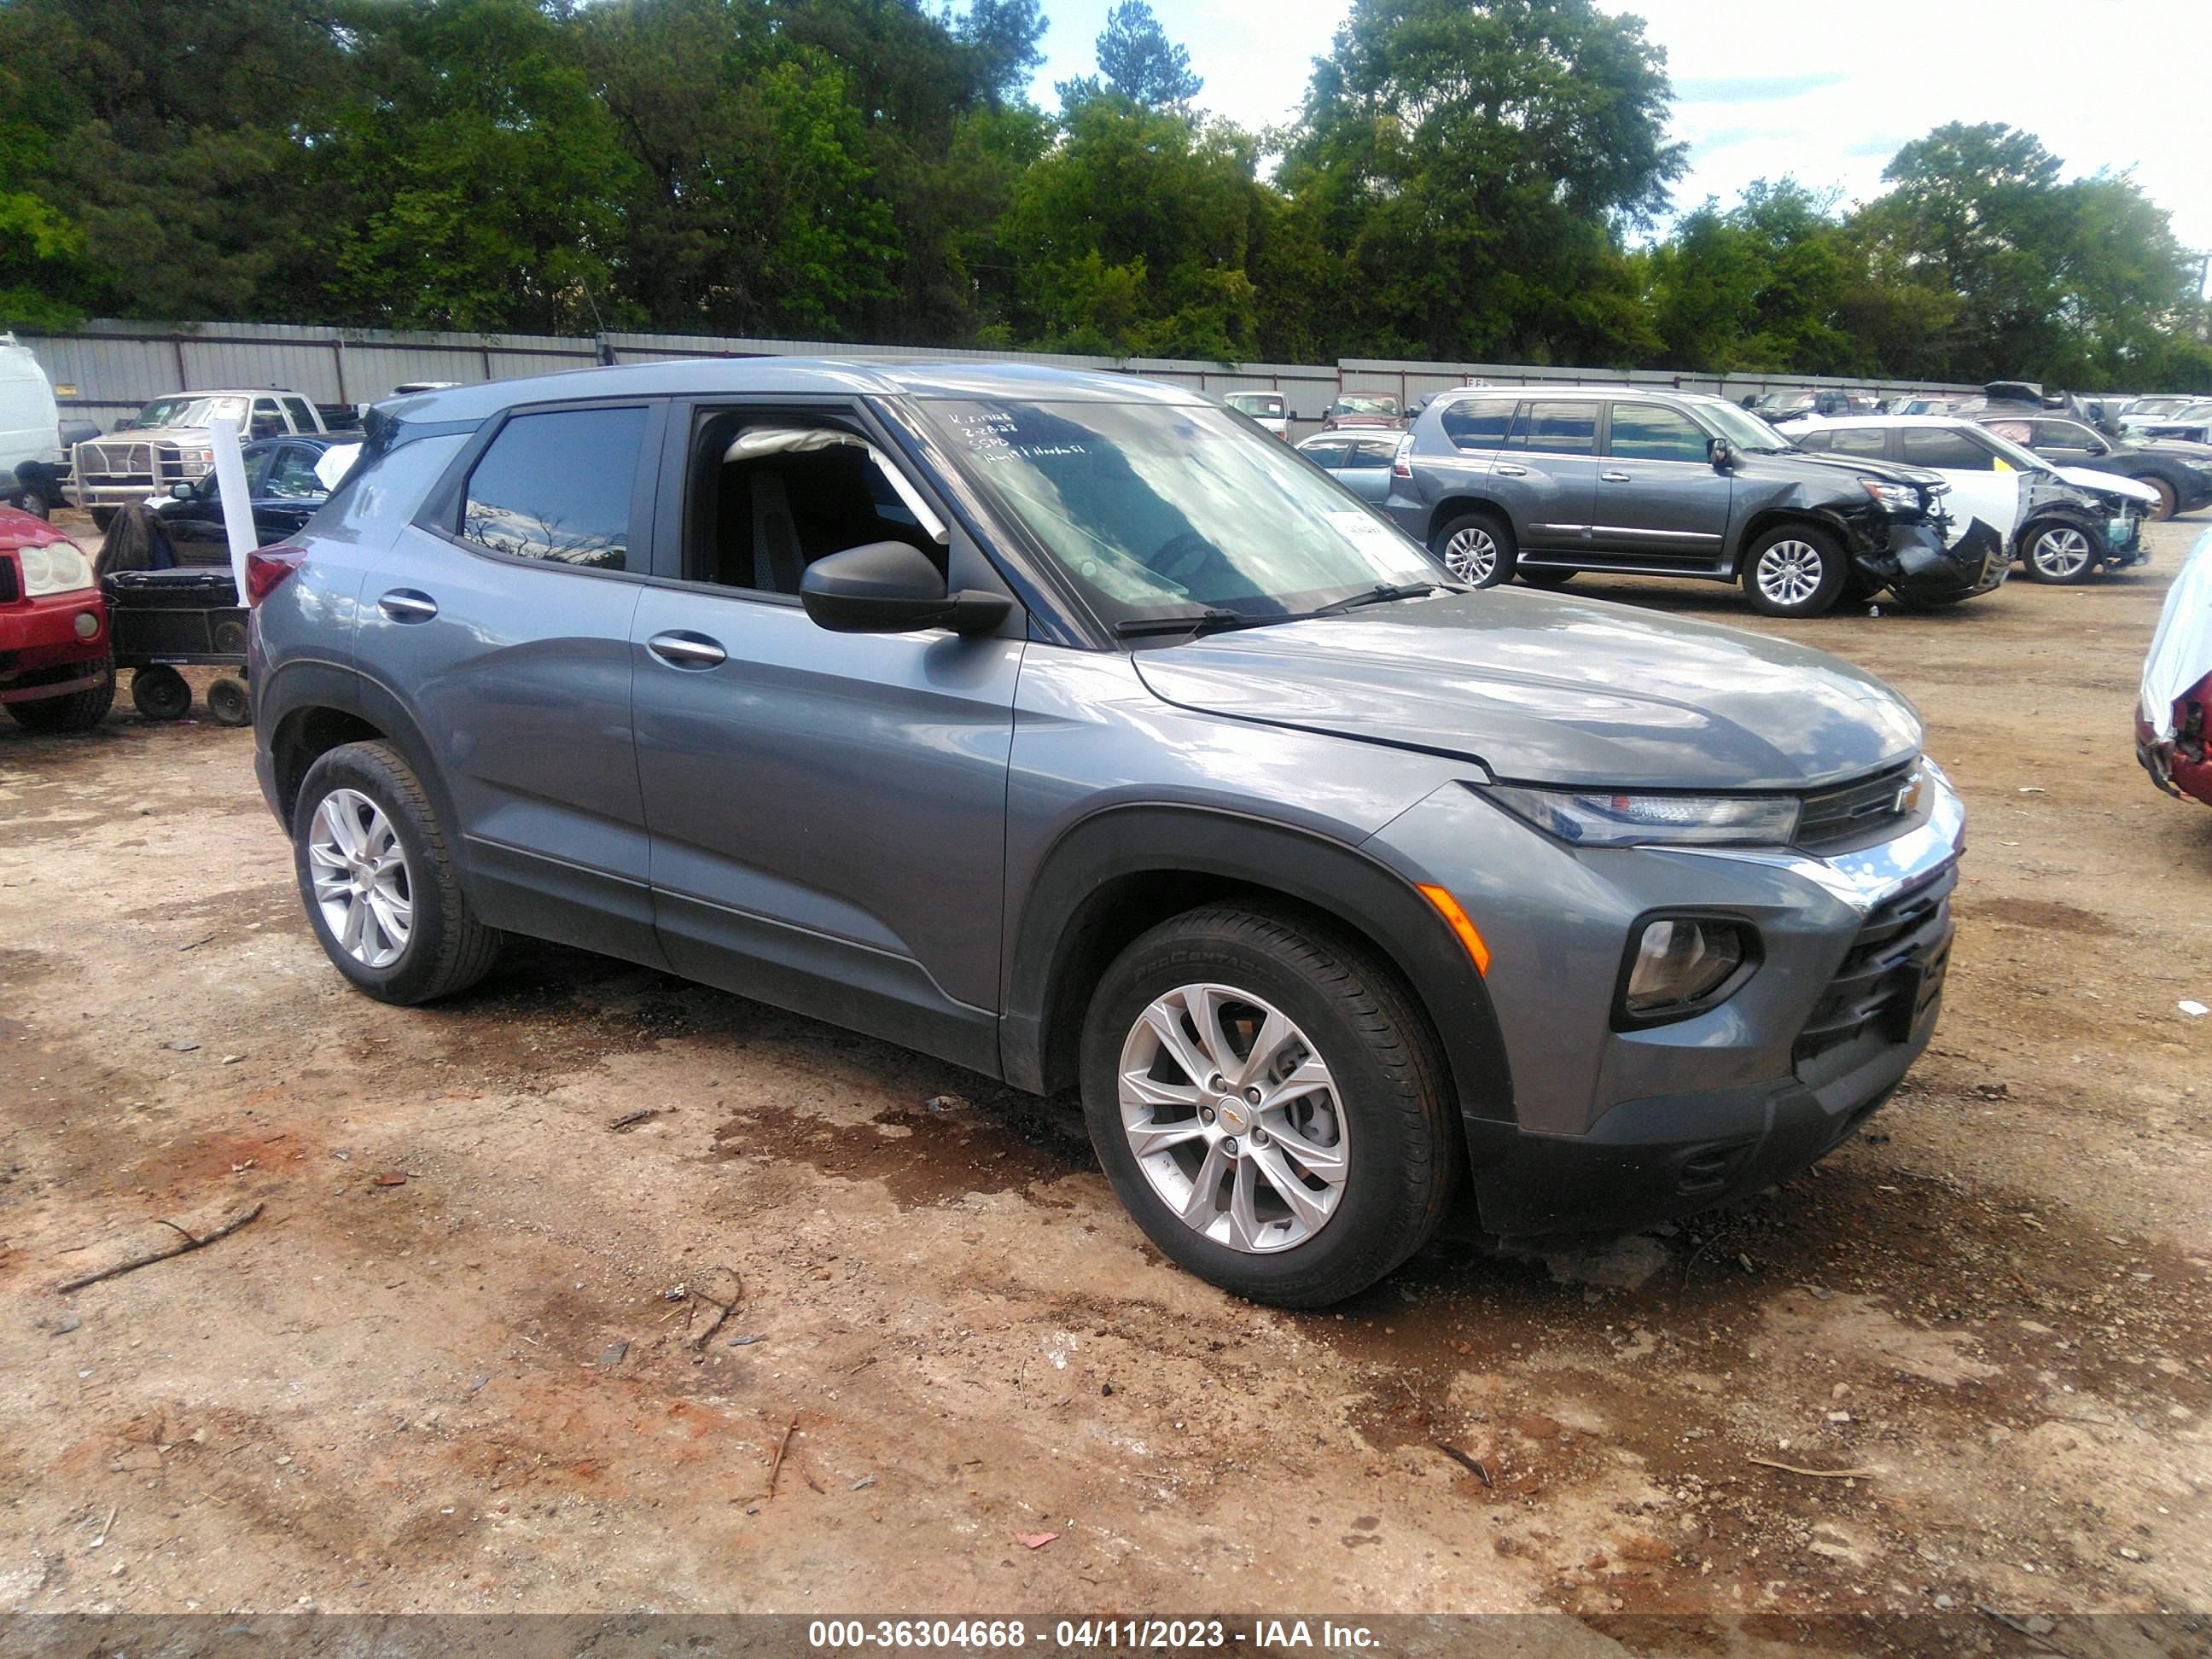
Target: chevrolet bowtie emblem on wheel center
1233,1120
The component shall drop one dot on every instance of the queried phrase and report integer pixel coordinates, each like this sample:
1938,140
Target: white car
2061,522
1265,409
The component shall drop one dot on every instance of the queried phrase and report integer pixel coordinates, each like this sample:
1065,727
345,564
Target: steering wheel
1182,555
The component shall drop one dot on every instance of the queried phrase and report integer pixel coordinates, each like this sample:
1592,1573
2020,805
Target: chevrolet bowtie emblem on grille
1908,798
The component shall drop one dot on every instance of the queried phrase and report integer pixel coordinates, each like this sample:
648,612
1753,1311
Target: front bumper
1916,564
1608,1131
40,644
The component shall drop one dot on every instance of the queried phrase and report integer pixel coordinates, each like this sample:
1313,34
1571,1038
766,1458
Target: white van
30,423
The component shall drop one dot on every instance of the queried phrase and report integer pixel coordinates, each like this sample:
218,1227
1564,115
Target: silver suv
1068,728
1543,483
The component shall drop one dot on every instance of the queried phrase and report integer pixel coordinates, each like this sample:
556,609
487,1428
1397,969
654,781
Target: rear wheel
73,711
1478,548
1269,1104
380,889
2057,553
1794,571
160,693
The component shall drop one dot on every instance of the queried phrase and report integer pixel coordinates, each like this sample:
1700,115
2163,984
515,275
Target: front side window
1165,509
558,487
1479,422
2066,435
1647,432
292,476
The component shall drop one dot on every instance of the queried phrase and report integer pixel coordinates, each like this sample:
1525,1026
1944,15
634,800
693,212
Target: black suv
1544,484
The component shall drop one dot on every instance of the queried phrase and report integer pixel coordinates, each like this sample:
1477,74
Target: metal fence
106,371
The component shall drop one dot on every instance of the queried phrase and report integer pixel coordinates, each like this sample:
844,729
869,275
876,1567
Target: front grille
120,461
1894,970
1859,813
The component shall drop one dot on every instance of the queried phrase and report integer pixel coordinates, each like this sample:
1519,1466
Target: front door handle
1507,468
687,650
405,604
1615,477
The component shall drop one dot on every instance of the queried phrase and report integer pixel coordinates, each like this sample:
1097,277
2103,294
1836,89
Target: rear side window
1560,428
1479,422
1933,446
1861,440
303,418
558,487
1370,454
1646,432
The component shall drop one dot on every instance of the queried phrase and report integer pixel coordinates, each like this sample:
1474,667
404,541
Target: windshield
192,411
1744,429
1255,402
1360,405
1159,510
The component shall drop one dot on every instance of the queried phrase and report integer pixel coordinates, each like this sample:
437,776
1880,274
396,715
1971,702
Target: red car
57,670
1364,409
2173,713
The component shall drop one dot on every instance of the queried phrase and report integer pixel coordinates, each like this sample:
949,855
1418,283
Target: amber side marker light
1456,920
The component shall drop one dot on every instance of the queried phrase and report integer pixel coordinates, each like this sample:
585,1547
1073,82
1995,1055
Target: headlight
1893,497
1595,819
1678,966
57,567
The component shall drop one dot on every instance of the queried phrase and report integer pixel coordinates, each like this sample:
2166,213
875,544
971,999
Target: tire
1478,549
1794,570
103,517
1377,1125
228,702
2058,553
160,693
73,711
36,505
1544,579
442,947
2167,504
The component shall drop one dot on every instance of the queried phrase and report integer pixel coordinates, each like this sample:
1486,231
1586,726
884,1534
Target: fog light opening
1678,966
87,624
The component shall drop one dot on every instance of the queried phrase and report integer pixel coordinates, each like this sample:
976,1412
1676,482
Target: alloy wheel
1472,555
1789,572
1233,1117
361,880
2060,554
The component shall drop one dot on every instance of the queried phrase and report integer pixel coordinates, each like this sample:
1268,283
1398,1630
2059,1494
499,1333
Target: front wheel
381,888
2057,553
73,711
1269,1104
1478,549
2168,504
1795,571
1545,579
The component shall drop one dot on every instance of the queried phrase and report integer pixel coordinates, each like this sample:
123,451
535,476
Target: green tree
1759,286
1137,60
1472,168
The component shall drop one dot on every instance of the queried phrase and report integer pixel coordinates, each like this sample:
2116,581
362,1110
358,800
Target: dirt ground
451,1366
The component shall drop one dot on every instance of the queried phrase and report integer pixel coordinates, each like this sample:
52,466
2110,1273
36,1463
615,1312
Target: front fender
1353,885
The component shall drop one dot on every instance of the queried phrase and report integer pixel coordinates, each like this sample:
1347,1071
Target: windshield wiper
1188,622
1381,593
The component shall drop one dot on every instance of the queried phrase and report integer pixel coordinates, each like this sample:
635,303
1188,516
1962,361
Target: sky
1824,93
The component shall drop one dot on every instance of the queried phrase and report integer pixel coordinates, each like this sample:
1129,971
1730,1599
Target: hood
187,437
2108,484
1544,690
1849,466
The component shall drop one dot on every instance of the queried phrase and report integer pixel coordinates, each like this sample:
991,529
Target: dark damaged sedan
1544,484
1070,728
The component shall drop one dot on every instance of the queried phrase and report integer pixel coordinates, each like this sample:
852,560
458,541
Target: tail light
1401,464
266,568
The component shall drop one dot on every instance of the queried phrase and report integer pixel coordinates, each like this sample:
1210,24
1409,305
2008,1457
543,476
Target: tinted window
1370,455
1861,440
558,487
1935,447
1560,428
303,418
1328,455
1646,432
1817,443
1479,423
2064,434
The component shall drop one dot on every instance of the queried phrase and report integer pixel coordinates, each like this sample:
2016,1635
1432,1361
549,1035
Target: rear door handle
1507,468
1615,477
405,604
687,650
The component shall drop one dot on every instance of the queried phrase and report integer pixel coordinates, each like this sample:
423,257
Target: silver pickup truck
168,443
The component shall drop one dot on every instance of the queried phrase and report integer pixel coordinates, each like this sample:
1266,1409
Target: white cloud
1823,93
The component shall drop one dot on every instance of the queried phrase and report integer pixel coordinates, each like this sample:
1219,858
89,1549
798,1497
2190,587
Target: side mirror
1722,454
891,587
182,492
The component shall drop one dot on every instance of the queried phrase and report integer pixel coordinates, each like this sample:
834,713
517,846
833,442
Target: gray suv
1542,483
1068,728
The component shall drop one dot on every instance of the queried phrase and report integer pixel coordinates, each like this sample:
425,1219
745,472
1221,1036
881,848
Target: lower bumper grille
1892,975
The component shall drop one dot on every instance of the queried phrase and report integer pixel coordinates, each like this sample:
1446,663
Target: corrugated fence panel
106,370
